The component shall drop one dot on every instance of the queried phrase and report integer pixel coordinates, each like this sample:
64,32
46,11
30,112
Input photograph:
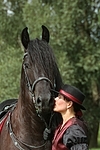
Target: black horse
26,121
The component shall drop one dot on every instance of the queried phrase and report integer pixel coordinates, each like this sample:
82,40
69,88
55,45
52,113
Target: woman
72,133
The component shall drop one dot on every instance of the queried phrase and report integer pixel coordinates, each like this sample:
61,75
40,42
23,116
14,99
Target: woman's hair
76,107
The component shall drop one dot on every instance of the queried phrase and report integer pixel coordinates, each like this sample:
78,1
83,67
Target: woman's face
60,104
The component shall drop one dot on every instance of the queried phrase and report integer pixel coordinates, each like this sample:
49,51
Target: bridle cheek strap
27,79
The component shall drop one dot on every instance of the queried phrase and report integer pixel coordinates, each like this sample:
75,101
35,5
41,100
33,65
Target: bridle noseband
40,79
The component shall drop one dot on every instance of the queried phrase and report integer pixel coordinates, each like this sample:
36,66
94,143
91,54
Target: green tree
10,66
10,51
12,21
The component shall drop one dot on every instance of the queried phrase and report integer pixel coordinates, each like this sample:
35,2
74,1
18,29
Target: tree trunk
94,134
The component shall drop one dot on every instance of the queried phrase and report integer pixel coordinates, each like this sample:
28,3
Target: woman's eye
60,96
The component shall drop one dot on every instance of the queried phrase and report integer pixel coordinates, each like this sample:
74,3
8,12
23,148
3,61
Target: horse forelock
41,54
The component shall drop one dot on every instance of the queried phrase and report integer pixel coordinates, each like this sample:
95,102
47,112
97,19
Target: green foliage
11,21
10,66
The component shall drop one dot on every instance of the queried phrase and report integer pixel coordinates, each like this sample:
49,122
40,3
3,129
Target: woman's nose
56,98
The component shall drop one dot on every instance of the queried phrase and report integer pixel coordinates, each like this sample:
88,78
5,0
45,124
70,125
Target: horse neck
26,122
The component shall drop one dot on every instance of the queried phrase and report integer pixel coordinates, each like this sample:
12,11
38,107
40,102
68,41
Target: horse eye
26,65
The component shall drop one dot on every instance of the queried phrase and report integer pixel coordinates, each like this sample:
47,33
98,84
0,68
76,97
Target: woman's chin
55,109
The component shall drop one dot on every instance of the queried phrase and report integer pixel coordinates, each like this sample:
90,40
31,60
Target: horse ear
45,34
25,37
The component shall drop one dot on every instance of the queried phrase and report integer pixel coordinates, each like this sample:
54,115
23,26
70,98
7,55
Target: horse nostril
39,100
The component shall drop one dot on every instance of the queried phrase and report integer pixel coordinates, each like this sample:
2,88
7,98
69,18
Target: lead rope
47,130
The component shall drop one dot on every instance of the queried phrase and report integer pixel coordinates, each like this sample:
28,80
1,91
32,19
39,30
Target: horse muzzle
43,105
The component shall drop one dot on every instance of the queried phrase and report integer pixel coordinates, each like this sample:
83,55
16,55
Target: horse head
39,71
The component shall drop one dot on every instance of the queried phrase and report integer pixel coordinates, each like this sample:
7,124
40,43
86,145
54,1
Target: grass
95,148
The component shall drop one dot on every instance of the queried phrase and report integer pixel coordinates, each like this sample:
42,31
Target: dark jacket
72,136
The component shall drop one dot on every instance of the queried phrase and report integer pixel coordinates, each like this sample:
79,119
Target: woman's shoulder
75,129
74,135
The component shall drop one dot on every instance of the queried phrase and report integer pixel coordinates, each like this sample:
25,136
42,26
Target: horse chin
45,110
